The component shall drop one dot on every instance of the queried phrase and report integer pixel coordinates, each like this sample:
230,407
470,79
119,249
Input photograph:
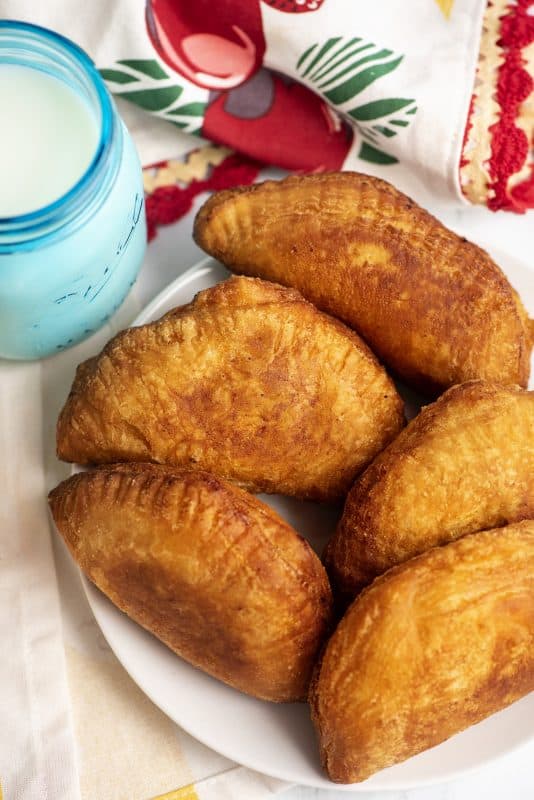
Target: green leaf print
145,66
335,60
324,49
340,69
361,81
305,55
145,83
375,156
154,99
189,110
378,108
384,130
117,76
350,67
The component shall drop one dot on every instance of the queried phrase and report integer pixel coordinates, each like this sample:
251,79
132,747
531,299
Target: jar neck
28,45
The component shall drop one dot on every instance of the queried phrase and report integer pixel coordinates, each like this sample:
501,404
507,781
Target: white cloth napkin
36,742
427,55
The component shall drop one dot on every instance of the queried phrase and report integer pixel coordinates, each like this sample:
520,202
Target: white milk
48,137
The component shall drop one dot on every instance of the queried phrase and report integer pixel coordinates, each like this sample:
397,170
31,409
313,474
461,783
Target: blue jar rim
33,218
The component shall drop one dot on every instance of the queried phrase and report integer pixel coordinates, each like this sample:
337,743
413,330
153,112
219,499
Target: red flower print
297,131
214,48
294,6
220,46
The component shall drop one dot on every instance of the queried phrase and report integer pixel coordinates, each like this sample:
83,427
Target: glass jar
65,268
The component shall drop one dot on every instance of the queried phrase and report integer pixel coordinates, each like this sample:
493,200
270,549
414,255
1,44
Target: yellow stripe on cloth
446,7
185,793
194,168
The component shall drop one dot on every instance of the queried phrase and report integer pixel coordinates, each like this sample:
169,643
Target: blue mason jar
65,268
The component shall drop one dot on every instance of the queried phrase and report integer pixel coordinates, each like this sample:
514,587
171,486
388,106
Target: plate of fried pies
302,497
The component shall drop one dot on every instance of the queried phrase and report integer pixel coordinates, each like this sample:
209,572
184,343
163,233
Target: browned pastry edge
389,204
210,570
436,677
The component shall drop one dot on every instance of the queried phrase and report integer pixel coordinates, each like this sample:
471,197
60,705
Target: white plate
278,740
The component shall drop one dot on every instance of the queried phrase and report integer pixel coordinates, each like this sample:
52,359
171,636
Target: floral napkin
438,92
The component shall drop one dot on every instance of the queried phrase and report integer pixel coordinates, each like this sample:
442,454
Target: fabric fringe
497,165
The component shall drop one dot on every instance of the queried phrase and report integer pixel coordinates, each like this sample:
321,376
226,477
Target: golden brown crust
432,647
210,570
249,381
464,464
433,306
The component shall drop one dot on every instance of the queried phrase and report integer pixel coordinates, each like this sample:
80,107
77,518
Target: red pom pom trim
509,145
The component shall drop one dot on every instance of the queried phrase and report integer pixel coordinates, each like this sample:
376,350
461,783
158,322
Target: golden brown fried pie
432,647
464,464
432,306
248,381
210,570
